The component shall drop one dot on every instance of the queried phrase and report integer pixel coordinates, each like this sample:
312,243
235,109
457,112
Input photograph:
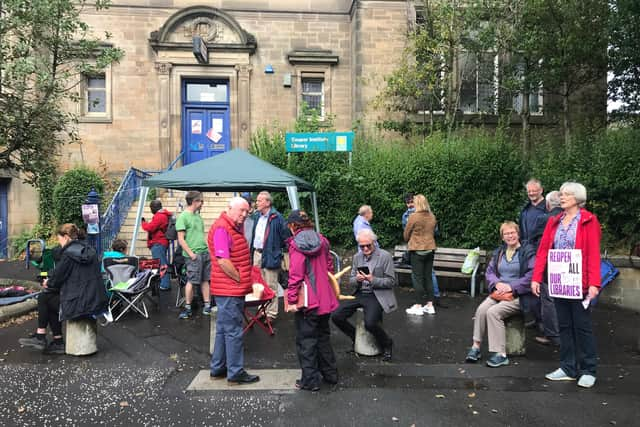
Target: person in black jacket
48,315
78,280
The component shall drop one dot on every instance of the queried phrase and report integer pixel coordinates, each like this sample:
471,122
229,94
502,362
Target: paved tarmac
143,368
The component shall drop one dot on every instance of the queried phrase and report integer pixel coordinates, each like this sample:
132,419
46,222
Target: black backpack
171,233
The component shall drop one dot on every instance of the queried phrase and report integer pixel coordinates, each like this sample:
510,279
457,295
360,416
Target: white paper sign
196,127
564,267
216,125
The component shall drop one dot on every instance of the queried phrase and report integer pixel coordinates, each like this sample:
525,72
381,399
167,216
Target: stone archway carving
219,29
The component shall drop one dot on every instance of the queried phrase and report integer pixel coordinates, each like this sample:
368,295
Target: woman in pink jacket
574,228
309,265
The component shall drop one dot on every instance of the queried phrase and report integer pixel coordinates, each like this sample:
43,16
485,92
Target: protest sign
564,267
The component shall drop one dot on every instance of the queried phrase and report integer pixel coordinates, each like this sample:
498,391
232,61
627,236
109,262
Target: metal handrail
127,193
123,199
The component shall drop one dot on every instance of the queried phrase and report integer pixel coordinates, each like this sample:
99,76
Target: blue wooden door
4,218
205,120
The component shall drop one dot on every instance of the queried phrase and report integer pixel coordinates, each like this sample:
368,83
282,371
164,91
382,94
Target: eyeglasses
367,246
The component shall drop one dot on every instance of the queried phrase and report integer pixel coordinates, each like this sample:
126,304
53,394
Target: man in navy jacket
270,234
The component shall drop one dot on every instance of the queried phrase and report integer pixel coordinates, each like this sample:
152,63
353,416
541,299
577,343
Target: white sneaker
415,309
429,309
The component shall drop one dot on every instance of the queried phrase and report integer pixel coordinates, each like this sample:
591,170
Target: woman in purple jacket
509,280
309,265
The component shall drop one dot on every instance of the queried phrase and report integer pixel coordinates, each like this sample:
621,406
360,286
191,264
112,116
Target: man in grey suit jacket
373,275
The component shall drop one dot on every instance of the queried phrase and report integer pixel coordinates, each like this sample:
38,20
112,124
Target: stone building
255,62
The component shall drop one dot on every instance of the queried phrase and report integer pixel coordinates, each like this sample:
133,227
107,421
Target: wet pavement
143,368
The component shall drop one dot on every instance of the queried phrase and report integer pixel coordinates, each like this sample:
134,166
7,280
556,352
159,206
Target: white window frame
84,115
320,93
314,72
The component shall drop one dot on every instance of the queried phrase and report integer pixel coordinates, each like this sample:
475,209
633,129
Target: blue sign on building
327,141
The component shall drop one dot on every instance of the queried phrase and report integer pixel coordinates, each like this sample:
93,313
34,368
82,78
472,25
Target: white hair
553,199
364,209
237,201
576,190
366,232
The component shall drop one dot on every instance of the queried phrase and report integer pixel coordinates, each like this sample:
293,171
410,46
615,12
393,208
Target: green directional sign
325,141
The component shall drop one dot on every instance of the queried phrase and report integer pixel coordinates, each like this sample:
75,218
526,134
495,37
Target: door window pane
206,92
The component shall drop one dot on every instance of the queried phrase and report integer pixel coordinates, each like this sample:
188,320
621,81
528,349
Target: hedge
474,181
70,192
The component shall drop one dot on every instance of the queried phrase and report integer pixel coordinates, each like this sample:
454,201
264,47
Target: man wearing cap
230,283
270,234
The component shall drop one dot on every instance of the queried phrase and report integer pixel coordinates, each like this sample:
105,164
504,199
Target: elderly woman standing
422,245
574,228
509,280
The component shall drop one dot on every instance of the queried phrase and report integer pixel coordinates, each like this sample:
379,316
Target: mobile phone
363,269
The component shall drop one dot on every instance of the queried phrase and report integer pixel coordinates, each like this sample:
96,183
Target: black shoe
314,387
35,342
243,378
218,375
438,303
387,354
330,380
55,348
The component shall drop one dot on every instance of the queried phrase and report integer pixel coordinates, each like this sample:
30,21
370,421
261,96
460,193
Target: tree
45,48
429,77
624,57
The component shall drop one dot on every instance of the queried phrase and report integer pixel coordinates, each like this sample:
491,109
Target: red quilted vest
221,284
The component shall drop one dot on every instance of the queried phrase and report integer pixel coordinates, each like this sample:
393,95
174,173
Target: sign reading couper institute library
327,141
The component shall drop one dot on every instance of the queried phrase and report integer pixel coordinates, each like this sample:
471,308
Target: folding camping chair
259,316
127,285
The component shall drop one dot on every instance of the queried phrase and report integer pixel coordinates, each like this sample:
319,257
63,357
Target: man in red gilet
230,282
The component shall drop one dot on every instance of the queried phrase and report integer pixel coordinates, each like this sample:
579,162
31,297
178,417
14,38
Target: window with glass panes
478,88
95,97
313,93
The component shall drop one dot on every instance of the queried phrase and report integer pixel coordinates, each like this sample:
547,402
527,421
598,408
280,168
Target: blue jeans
228,349
434,280
160,252
577,344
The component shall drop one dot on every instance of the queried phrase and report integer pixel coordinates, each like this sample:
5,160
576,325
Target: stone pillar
164,114
366,343
244,107
515,335
81,337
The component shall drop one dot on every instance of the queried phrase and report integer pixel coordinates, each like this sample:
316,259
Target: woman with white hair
574,228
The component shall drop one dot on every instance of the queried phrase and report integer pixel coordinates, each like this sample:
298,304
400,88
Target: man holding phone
373,276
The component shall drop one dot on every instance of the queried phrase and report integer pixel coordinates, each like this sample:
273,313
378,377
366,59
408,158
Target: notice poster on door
196,127
216,125
565,273
213,135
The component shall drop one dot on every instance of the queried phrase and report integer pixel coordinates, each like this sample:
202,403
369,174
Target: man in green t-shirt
193,242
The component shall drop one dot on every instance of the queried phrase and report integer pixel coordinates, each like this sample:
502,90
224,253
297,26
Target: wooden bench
447,263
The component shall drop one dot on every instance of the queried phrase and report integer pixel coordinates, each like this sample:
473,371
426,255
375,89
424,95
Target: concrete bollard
516,335
366,343
81,337
212,328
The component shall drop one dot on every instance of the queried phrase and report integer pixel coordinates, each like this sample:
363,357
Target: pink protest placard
564,268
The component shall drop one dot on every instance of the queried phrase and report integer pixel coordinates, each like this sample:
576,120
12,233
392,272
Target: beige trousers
489,318
271,277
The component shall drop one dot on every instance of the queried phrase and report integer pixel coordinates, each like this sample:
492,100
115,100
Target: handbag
505,296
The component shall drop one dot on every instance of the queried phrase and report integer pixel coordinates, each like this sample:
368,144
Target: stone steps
214,204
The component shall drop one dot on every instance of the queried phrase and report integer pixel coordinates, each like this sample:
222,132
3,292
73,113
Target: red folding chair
259,316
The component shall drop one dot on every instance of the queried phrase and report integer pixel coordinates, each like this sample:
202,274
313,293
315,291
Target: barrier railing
122,201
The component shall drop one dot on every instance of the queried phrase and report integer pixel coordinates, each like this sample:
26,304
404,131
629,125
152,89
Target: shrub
70,192
474,181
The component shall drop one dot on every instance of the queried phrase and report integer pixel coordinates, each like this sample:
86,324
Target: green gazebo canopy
235,170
